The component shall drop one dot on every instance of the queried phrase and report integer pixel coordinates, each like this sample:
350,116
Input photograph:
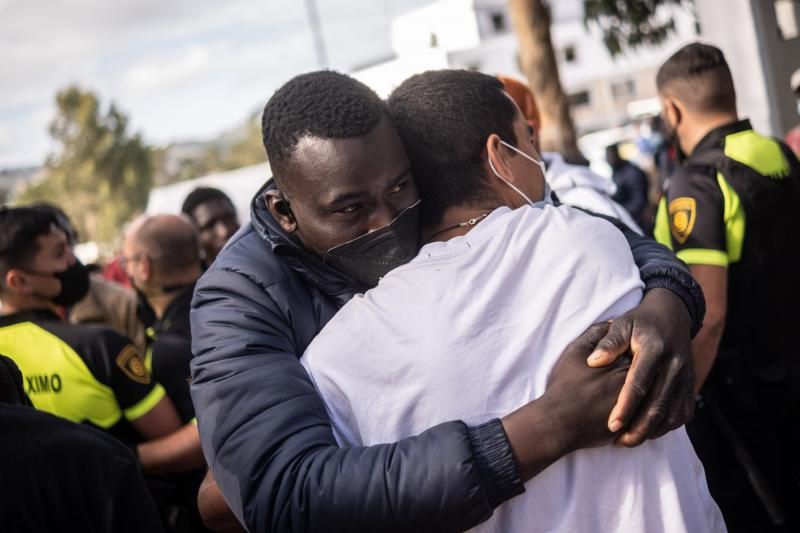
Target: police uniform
169,352
733,204
88,374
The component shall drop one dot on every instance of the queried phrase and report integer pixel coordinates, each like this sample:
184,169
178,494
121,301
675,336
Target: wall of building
781,58
478,35
761,61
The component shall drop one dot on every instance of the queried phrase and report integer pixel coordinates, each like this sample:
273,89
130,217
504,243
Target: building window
579,99
498,22
570,56
434,41
621,90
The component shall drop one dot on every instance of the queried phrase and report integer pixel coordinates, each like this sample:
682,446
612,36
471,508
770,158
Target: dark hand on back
573,412
658,393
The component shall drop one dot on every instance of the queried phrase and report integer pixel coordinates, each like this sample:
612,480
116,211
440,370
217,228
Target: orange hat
524,98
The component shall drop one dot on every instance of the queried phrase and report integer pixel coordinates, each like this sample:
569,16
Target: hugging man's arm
658,393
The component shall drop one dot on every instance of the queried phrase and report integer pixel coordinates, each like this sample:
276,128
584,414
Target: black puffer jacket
265,431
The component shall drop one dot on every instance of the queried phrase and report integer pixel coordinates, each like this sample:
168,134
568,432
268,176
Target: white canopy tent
240,184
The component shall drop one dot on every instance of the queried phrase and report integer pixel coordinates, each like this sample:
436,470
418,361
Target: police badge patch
131,363
682,215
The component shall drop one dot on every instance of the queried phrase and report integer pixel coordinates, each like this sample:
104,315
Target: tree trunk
531,19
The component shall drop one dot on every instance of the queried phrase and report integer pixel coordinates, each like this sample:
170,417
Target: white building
240,185
478,34
761,40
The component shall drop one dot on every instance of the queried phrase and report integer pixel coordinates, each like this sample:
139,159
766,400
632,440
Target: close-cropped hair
174,248
20,227
698,76
444,118
202,195
324,104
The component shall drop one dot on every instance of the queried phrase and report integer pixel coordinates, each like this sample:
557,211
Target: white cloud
180,68
166,71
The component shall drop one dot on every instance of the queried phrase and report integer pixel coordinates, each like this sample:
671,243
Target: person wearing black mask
85,373
106,301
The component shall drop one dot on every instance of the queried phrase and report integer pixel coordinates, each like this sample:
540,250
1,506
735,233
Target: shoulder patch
682,215
132,364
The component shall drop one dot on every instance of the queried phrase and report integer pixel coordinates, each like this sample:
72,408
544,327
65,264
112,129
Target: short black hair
20,227
62,219
699,77
324,104
202,195
444,118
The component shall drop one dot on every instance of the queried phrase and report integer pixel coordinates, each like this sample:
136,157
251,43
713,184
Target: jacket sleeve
660,269
267,437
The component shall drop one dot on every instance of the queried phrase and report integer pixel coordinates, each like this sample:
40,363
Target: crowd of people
427,324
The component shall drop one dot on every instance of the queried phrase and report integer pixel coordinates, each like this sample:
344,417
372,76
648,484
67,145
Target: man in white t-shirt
472,327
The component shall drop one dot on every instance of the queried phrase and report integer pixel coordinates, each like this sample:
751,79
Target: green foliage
249,148
99,173
238,148
631,23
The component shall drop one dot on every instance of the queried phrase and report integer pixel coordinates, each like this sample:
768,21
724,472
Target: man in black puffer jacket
340,173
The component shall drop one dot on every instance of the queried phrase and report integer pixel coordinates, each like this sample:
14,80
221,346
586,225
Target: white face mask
547,191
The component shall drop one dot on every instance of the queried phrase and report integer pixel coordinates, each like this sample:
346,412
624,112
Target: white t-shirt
470,330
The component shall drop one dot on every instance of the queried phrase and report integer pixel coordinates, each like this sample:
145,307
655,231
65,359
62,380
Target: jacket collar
716,137
287,250
31,315
176,315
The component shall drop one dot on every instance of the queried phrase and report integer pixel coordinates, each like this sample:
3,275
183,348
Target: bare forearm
714,280
534,436
216,514
704,351
177,452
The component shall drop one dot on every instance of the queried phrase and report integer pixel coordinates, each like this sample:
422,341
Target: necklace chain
465,224
471,222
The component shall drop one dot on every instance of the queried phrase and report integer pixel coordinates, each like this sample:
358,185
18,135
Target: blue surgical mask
548,197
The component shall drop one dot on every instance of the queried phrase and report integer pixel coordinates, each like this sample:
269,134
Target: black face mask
671,137
371,256
74,284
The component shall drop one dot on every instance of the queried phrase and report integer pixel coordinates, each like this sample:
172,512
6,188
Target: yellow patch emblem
131,363
682,215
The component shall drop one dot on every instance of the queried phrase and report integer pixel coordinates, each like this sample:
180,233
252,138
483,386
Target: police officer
729,213
161,256
85,373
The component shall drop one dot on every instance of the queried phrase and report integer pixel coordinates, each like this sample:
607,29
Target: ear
16,281
674,112
279,209
496,155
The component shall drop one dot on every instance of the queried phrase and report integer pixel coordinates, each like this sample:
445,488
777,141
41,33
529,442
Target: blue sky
181,69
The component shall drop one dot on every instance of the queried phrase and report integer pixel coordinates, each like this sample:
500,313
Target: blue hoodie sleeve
267,436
